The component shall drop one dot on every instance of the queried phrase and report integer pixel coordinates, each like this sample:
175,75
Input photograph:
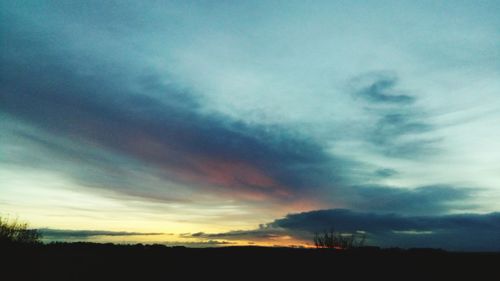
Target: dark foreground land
86,261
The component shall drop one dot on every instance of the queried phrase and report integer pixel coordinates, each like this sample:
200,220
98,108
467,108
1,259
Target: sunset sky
213,123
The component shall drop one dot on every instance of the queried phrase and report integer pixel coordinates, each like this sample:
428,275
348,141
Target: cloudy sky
252,122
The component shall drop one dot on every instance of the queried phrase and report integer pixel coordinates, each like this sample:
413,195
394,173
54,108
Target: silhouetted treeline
14,231
90,261
339,240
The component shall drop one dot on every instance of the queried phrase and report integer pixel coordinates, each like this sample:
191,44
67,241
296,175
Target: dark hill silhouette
91,261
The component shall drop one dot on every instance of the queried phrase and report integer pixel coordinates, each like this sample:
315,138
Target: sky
208,123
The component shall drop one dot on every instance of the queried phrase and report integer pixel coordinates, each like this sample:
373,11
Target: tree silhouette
338,240
17,232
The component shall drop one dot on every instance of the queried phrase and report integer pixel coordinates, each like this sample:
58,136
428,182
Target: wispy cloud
67,233
379,88
400,128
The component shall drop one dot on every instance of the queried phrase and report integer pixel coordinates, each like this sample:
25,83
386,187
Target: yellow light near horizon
48,200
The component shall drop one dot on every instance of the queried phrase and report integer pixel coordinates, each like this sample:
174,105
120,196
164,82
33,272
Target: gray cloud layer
56,234
472,232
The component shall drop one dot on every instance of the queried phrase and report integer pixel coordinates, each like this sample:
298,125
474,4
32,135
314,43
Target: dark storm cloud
472,232
459,232
148,120
347,220
190,146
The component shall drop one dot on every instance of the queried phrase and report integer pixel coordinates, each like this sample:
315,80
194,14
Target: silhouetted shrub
338,240
17,232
